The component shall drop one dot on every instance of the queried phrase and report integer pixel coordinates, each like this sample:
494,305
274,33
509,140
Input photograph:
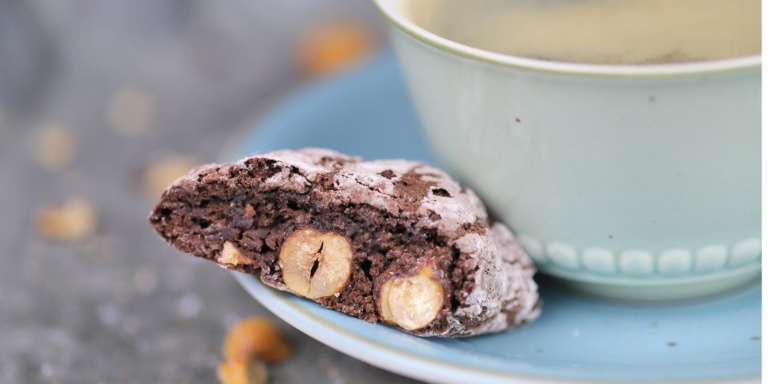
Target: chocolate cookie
391,240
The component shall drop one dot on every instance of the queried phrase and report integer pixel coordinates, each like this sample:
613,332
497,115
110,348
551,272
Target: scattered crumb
755,338
332,46
55,147
255,336
243,371
130,111
72,221
159,176
671,343
250,344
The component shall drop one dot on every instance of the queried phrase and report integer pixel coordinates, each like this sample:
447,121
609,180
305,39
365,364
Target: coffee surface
634,32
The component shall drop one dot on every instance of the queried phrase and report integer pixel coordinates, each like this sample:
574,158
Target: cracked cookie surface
390,241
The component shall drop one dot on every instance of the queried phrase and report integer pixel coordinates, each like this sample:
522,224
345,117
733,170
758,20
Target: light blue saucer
576,339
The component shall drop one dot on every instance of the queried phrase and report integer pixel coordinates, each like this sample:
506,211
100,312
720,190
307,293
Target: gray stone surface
121,306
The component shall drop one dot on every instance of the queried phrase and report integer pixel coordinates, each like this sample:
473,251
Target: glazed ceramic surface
636,182
576,339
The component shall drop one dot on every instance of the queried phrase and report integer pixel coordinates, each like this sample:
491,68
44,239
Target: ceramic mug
632,182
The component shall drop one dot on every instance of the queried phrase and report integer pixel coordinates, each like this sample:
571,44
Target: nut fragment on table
316,264
255,336
55,147
74,220
130,111
333,46
412,302
243,371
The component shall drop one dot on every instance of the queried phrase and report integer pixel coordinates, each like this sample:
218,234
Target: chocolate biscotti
390,241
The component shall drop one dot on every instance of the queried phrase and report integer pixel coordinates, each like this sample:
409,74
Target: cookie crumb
72,221
249,345
243,371
255,336
333,46
55,147
131,111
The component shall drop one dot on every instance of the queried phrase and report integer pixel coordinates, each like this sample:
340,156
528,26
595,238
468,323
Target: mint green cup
628,182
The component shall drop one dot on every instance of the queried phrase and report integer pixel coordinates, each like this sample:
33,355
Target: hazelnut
316,264
249,211
232,256
255,336
333,46
73,221
243,371
56,147
412,302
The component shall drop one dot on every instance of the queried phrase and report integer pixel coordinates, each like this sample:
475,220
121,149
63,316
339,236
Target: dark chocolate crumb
441,192
388,173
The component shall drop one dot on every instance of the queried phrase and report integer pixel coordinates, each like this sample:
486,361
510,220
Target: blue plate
368,113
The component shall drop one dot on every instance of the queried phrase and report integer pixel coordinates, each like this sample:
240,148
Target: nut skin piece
316,264
412,302
243,371
230,255
255,336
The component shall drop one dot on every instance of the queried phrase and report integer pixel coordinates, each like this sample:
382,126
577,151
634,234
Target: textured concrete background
120,306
